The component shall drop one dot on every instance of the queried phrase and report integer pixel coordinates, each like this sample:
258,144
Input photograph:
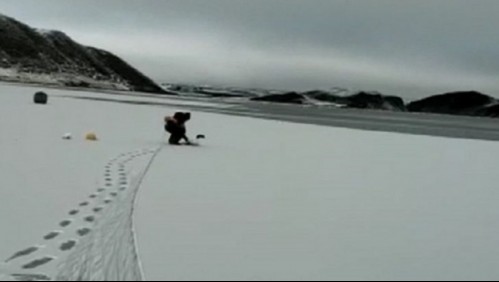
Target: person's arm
186,139
170,120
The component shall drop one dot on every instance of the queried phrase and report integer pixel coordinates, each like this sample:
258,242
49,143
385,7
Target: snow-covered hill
52,57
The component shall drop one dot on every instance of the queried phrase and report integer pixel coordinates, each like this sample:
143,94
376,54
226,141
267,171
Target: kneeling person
176,127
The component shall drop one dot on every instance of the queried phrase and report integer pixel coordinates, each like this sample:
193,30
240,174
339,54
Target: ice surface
258,200
281,201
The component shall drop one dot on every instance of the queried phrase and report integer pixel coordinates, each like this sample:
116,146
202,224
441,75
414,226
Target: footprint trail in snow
95,240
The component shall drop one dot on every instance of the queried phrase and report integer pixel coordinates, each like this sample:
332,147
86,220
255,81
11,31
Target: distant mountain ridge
52,57
470,103
358,100
464,103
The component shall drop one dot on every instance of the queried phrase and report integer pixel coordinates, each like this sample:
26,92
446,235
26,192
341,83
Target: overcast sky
402,47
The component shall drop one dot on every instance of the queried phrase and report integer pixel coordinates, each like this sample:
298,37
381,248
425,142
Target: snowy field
258,200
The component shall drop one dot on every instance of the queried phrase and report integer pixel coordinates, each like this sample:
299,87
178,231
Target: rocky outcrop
52,57
470,103
287,98
364,100
489,111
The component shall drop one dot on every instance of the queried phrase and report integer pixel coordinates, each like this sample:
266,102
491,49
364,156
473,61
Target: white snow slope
258,200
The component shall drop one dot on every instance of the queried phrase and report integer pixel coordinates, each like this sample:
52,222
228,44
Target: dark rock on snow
40,98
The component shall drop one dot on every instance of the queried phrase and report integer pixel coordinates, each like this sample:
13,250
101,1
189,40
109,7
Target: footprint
23,253
83,231
97,210
109,179
123,188
90,218
74,212
107,201
100,190
93,196
109,184
30,277
68,245
38,262
52,235
65,223
114,194
84,204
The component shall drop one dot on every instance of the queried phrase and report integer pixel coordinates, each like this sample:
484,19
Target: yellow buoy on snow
91,136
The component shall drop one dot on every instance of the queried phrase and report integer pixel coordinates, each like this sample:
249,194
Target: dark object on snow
201,136
41,98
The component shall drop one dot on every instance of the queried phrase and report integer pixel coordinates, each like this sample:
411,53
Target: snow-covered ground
258,200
